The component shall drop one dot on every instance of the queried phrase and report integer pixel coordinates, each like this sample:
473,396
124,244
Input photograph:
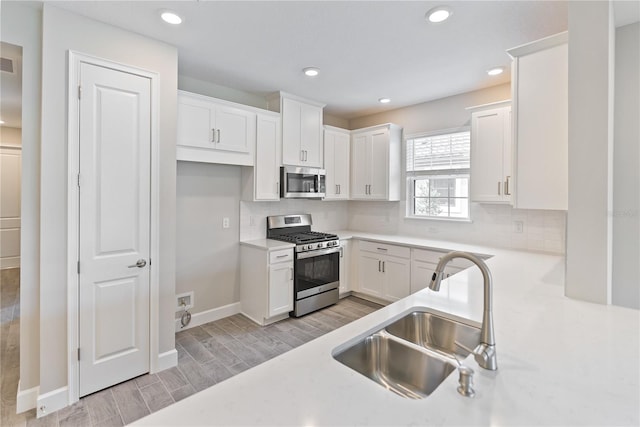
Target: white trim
538,45
166,360
52,401
26,399
427,134
207,316
496,104
73,146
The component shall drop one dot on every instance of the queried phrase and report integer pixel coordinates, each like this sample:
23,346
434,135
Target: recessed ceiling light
311,71
438,14
495,71
170,17
384,100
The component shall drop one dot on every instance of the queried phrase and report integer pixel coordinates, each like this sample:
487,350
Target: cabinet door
490,132
370,274
196,122
331,192
311,135
379,167
291,119
360,165
345,266
235,129
267,167
397,274
421,273
342,165
280,288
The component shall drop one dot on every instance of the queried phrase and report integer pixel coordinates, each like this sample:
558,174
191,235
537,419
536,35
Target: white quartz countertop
561,361
268,244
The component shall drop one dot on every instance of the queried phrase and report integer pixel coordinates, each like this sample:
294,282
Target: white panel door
311,135
487,155
10,164
267,167
280,288
115,167
370,274
196,122
329,164
397,280
291,122
235,128
360,165
379,165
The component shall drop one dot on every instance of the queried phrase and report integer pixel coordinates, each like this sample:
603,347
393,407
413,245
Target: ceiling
365,50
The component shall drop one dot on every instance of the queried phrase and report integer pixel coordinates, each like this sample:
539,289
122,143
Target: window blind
450,151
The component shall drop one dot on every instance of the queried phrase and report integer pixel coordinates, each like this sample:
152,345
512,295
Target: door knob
140,263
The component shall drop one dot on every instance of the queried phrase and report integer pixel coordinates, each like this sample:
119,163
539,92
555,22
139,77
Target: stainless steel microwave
302,183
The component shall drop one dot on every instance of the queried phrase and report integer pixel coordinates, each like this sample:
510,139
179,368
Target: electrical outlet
225,222
184,301
518,226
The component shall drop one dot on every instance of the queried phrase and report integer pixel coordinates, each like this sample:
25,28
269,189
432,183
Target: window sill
423,218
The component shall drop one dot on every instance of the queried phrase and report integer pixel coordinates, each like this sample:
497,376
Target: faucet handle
466,381
485,355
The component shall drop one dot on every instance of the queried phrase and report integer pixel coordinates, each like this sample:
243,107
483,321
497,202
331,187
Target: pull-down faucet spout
485,352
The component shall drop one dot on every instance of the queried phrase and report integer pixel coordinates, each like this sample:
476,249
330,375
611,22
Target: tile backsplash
491,224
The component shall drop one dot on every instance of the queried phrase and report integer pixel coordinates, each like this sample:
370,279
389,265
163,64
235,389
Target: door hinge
78,267
79,92
78,353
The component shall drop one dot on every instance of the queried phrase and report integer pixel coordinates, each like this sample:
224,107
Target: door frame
75,59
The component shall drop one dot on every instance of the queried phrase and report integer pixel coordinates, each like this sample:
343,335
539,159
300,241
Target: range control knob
320,245
309,247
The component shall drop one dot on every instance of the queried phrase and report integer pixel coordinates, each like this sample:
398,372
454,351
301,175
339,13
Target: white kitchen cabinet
266,283
345,267
540,118
301,129
491,153
375,163
424,263
337,150
262,181
384,270
214,131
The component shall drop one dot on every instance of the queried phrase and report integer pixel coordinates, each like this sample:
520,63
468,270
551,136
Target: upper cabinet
540,119
261,182
301,130
336,162
375,163
214,131
491,175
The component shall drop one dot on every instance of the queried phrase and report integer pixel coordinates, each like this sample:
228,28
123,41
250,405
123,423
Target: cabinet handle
282,256
305,155
277,187
499,183
291,274
382,249
213,135
341,252
339,189
218,132
383,266
379,265
302,155
506,186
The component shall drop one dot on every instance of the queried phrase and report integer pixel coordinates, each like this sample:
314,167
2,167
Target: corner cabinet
301,129
376,163
266,283
337,148
261,182
214,131
540,112
491,153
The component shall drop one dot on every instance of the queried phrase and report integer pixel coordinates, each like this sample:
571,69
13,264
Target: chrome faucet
485,352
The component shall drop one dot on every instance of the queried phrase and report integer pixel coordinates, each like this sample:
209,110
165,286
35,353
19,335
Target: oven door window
317,271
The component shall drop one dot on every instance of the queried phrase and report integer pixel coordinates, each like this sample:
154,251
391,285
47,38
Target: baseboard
166,360
26,399
52,401
345,294
370,298
13,262
212,315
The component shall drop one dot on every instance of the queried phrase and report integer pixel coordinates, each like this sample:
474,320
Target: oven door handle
318,252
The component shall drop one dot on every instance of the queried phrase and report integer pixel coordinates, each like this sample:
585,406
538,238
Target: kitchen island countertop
561,361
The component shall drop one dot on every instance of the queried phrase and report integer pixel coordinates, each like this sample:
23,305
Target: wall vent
6,65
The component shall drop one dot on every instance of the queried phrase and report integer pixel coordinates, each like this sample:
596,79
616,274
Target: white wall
10,136
22,25
492,224
207,255
589,237
626,167
64,31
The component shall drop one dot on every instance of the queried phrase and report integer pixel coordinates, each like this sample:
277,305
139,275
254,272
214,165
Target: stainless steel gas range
316,261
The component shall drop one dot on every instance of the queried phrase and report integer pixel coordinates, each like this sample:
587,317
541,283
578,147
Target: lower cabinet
345,267
266,283
424,263
384,270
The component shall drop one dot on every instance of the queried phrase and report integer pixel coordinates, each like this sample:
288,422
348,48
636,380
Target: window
438,175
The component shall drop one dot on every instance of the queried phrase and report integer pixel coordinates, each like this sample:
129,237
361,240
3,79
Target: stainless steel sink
399,367
437,333
412,355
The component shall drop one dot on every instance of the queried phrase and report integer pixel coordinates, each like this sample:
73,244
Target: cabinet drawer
434,257
384,249
281,256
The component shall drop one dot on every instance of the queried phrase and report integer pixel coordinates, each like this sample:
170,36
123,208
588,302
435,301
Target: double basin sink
412,355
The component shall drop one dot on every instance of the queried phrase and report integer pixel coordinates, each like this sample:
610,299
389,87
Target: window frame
412,176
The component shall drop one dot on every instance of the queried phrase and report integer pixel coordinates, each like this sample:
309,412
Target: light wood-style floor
207,355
